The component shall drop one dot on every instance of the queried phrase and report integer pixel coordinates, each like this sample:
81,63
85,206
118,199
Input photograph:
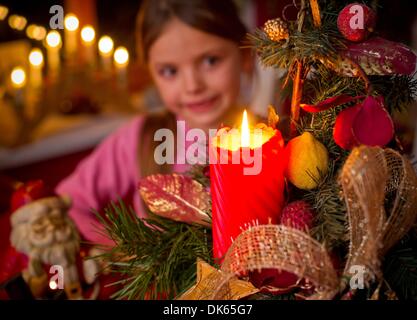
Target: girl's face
197,74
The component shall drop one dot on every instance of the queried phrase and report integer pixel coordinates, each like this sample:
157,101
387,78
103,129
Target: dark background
117,17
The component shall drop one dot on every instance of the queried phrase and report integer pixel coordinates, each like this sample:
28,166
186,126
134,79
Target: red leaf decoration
329,103
373,125
342,133
378,56
176,197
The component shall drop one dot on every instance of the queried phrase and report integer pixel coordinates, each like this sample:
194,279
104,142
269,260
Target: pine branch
330,225
321,126
400,268
325,83
309,46
198,173
157,256
399,91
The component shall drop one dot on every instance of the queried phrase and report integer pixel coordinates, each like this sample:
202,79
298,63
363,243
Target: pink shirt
112,171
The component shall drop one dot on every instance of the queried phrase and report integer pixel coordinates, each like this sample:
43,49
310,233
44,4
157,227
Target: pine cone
276,29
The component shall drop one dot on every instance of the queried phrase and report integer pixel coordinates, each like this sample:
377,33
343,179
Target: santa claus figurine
42,230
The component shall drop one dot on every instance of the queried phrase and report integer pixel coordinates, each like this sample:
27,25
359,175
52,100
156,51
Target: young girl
192,49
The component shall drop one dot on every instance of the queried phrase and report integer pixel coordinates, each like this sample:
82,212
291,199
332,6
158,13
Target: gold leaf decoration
176,197
207,275
273,118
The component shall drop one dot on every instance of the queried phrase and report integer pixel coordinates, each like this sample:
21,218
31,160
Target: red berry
356,21
298,215
206,171
27,193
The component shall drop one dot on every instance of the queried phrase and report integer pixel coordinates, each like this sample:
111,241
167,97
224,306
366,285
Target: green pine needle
400,268
156,256
399,91
330,225
197,173
310,46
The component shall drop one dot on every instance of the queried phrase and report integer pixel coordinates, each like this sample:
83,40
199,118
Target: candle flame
71,22
17,22
245,134
3,12
53,285
105,45
53,39
36,57
18,77
36,32
121,56
88,34
247,137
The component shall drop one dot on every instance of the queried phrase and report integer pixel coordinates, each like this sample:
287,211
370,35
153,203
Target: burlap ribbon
380,190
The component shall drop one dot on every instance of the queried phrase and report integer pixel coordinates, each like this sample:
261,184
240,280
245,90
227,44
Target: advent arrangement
331,211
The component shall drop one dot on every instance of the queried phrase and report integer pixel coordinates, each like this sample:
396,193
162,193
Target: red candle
244,194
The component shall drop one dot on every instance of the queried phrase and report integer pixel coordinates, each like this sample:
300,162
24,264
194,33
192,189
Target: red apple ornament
356,21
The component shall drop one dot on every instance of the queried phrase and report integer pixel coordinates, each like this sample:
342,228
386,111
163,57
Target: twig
301,16
315,10
296,98
361,74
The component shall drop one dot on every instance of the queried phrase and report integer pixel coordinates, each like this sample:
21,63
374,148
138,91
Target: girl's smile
203,105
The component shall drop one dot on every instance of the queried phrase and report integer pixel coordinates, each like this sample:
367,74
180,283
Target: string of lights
53,42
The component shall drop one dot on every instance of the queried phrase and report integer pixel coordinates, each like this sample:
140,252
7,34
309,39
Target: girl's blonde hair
217,17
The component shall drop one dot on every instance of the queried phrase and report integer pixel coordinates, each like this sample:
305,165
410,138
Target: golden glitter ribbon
271,246
372,179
